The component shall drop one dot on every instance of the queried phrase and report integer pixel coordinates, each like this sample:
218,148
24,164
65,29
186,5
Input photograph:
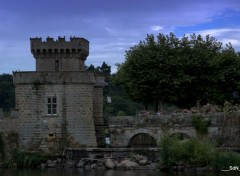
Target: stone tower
60,104
60,55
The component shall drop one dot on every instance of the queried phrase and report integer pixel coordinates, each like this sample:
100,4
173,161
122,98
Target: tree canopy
7,94
182,71
104,68
120,104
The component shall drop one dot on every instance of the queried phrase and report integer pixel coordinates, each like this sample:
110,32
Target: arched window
50,51
38,51
55,51
61,50
73,51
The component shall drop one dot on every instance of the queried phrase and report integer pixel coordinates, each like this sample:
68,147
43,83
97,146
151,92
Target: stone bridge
147,130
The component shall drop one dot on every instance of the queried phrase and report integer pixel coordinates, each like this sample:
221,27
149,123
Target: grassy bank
195,153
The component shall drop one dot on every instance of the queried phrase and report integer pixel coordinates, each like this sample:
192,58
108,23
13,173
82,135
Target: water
81,172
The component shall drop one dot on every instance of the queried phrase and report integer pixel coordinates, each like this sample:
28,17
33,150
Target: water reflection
81,172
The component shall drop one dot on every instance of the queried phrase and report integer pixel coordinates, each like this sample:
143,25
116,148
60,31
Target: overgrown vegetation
195,153
200,124
26,159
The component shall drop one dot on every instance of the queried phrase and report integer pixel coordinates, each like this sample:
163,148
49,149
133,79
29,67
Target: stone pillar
98,105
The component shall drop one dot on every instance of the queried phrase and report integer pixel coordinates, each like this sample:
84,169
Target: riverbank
135,162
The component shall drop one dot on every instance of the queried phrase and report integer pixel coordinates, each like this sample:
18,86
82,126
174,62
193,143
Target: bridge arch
142,140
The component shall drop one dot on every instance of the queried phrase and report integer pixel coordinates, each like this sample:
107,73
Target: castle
59,105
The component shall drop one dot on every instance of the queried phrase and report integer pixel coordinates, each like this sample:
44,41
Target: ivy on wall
200,124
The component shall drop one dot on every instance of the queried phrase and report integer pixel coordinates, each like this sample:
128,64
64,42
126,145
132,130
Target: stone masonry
59,104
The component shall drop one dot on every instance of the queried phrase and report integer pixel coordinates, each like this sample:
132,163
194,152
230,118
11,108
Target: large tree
181,71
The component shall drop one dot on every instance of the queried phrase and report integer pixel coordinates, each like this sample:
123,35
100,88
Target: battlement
53,48
66,55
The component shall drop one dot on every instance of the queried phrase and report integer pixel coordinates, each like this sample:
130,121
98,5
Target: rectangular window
52,105
57,65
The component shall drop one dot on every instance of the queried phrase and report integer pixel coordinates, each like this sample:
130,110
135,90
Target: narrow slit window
57,65
52,106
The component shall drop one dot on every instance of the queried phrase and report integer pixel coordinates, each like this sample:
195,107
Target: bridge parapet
174,119
222,128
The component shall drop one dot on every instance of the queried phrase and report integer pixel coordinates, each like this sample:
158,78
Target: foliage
180,71
195,153
2,148
104,68
7,92
26,159
121,104
167,152
223,160
200,124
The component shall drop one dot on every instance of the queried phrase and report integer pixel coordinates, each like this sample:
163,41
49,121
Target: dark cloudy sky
111,26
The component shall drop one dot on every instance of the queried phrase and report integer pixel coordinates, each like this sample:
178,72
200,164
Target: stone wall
223,127
65,64
77,103
98,105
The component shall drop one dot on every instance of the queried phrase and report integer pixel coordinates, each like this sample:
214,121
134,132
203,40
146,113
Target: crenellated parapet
76,47
60,54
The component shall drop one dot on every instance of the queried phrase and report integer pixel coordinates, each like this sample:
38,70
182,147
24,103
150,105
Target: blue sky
111,26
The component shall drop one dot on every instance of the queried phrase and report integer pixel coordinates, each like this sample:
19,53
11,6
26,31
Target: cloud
224,35
156,28
110,26
217,32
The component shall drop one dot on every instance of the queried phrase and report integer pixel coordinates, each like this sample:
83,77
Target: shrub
223,160
200,124
26,159
196,153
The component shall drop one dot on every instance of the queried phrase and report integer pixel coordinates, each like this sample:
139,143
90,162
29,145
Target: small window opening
57,65
50,135
52,105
